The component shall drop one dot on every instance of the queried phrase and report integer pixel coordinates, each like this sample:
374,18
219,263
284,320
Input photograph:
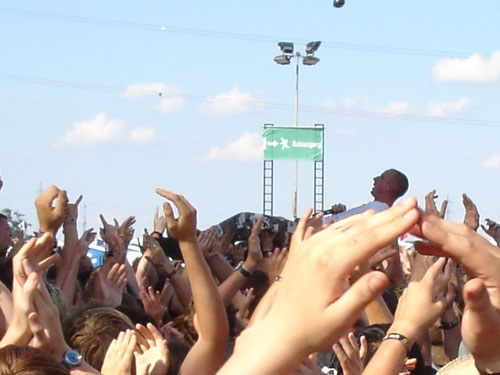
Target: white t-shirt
374,205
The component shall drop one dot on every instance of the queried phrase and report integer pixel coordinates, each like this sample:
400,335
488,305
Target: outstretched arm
419,307
233,283
313,285
205,357
481,260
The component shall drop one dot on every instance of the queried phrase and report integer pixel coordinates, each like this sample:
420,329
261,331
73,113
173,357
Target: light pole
307,59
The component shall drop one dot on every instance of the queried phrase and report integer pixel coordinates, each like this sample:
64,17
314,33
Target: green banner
293,144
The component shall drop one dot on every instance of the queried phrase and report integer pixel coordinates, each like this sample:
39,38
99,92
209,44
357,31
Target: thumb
29,287
478,304
350,305
36,327
169,214
62,202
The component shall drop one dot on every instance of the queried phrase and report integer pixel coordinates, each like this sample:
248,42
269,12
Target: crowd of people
337,292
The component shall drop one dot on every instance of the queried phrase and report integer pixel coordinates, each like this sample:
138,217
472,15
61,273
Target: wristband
158,234
243,271
399,337
400,288
449,325
171,274
70,221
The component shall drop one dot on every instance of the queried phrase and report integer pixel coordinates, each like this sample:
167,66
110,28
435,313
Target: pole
294,193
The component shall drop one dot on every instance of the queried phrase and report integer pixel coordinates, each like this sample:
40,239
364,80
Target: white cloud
248,147
492,162
94,131
395,108
229,103
144,89
172,99
141,135
443,109
171,104
358,101
473,69
364,107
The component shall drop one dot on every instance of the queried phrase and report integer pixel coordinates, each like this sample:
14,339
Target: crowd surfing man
153,317
387,188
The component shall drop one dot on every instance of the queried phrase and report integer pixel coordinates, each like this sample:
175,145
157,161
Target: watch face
72,358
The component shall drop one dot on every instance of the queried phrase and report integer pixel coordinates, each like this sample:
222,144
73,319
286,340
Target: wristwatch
71,358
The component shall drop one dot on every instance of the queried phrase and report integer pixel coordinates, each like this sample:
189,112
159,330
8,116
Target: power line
229,35
251,104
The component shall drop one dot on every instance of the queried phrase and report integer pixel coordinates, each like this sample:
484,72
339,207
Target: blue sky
409,85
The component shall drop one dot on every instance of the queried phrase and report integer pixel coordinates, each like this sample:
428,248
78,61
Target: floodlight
286,47
282,59
338,3
310,60
312,47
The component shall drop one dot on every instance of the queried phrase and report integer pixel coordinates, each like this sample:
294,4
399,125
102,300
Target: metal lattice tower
268,187
319,179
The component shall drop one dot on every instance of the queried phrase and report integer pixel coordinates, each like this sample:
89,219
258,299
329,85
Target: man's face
5,235
381,183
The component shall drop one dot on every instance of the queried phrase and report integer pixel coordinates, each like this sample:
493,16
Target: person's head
25,360
5,235
91,331
389,186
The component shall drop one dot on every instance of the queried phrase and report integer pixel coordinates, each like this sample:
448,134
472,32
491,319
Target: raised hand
481,260
183,229
313,285
350,354
152,303
338,208
159,222
276,262
152,359
206,239
255,256
471,218
107,284
34,256
45,324
71,212
107,230
493,230
116,252
221,245
430,295
481,327
50,218
430,205
126,230
243,302
18,332
477,255
267,240
84,242
120,355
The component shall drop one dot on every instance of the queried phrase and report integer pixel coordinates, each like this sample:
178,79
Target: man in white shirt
387,188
